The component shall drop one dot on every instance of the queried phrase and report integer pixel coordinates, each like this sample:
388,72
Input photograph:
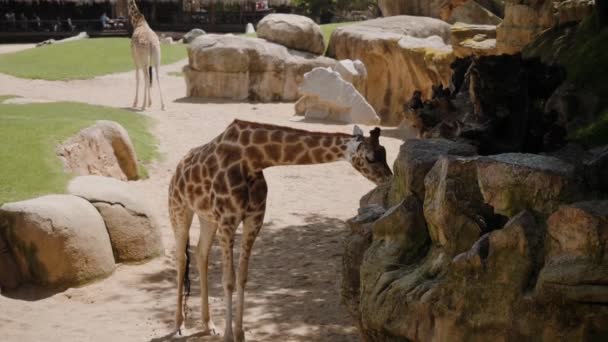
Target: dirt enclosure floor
293,290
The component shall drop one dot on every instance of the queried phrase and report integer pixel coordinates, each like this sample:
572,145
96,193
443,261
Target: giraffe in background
145,49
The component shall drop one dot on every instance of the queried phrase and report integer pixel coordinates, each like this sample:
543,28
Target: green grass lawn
326,29
29,134
79,60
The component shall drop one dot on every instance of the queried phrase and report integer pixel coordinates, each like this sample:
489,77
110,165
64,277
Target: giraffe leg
156,62
181,219
136,87
226,238
251,227
204,246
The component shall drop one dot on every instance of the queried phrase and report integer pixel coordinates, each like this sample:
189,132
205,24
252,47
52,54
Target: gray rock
513,182
192,34
293,31
57,240
134,233
241,68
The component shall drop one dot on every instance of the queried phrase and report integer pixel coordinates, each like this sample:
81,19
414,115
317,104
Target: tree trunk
601,7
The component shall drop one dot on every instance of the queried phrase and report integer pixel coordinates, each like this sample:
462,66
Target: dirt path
293,292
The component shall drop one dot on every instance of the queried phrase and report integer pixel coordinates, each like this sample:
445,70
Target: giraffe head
369,157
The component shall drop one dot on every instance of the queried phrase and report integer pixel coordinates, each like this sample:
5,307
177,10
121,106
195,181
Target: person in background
37,23
105,21
23,20
71,26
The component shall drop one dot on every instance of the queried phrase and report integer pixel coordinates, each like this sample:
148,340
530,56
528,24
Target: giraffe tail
150,75
187,275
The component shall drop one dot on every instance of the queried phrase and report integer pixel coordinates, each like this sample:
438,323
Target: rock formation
134,233
292,31
494,105
402,54
192,34
525,20
473,40
471,12
57,241
103,149
326,96
241,68
354,72
488,248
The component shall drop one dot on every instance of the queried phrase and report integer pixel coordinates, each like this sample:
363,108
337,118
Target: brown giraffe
223,183
145,49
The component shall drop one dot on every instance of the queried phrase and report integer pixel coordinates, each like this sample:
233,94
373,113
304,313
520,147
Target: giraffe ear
375,136
357,131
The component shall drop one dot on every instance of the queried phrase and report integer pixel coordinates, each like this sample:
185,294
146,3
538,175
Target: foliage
29,134
581,51
79,59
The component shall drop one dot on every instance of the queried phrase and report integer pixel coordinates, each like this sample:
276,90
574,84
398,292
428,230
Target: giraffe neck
135,15
268,145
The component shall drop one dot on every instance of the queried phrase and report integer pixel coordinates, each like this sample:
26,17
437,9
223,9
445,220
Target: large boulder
134,233
416,158
402,54
57,240
293,31
103,149
326,96
240,68
513,182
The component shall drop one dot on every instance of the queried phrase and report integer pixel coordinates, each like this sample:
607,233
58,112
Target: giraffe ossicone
222,182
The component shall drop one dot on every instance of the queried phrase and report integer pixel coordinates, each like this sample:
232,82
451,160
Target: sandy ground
293,292
8,48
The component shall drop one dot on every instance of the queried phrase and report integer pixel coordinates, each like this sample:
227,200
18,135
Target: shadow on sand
293,282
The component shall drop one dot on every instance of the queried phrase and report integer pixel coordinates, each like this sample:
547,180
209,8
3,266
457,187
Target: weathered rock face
293,31
133,231
9,274
103,149
57,240
326,96
468,12
416,158
514,182
522,22
576,263
525,20
402,54
470,263
240,68
473,40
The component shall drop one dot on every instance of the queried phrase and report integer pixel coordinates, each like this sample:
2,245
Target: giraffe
222,182
145,49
